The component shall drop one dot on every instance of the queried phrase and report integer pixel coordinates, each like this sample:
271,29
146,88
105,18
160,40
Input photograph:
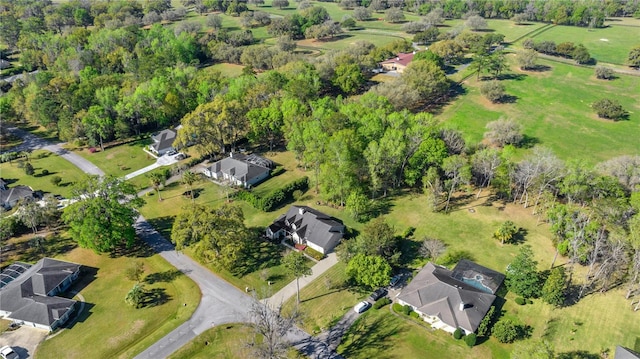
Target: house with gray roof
452,299
10,196
163,141
240,170
31,296
625,353
307,226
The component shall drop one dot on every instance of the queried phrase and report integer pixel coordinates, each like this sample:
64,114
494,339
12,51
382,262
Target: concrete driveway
24,340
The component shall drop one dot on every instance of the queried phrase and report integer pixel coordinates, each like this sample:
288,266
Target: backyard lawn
558,117
43,160
110,328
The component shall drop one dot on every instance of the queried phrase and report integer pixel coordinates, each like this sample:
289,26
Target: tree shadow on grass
410,250
512,76
369,334
577,354
164,277
528,141
539,68
163,225
139,249
154,297
520,236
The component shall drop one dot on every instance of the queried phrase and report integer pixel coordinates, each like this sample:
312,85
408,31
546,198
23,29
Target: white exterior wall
434,321
258,178
315,247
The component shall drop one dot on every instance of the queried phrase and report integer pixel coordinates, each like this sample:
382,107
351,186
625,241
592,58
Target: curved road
220,302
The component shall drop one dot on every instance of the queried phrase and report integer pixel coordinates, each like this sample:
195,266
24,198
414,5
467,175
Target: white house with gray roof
452,299
307,226
240,170
30,297
163,141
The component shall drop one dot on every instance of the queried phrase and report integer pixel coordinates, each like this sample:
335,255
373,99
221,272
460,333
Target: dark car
378,294
395,280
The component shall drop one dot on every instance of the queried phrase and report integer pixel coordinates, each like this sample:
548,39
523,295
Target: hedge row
313,253
276,198
381,303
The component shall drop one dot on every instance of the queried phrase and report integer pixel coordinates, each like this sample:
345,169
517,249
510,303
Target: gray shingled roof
240,167
26,296
435,292
15,194
164,139
315,226
625,353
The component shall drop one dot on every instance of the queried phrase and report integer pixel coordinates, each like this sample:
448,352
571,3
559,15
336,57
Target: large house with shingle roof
240,170
163,141
452,299
28,293
10,196
308,226
398,63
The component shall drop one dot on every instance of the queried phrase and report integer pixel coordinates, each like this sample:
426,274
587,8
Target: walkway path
290,289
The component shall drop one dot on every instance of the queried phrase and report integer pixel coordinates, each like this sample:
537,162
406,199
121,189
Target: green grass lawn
109,327
508,28
610,44
122,159
554,109
43,160
325,300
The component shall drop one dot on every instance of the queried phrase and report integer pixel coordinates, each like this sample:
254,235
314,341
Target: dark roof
402,59
625,353
314,226
3,183
244,168
4,64
26,297
164,139
16,193
435,292
478,276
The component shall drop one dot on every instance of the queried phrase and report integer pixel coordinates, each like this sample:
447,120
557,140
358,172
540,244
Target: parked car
394,281
181,156
172,152
7,352
362,306
379,293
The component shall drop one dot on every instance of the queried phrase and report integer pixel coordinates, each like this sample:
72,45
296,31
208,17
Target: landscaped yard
325,300
122,159
43,160
110,328
554,109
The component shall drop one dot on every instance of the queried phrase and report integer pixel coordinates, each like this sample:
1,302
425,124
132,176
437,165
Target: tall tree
369,271
157,179
458,171
102,219
295,264
270,326
522,276
484,165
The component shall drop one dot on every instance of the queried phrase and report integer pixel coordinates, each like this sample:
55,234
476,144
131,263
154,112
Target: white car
362,306
7,352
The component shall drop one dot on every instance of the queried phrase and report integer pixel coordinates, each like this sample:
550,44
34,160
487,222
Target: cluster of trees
566,49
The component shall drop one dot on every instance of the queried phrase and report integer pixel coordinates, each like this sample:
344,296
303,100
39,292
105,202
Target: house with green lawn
450,299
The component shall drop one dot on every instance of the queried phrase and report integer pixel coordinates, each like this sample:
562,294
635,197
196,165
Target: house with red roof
398,63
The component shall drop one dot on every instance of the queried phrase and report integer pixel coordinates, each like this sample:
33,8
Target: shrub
457,334
56,180
45,172
313,253
484,329
610,109
28,169
604,73
506,331
520,301
492,90
276,198
382,302
470,339
397,307
407,310
414,315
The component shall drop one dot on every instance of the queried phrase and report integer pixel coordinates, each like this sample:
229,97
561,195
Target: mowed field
610,44
554,108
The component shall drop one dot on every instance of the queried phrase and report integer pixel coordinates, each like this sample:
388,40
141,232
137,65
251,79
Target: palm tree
189,178
506,232
135,295
157,179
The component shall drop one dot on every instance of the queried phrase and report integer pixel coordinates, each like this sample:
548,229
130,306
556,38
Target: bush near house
457,334
470,339
313,253
276,198
382,302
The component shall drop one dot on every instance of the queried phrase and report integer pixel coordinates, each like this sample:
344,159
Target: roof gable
242,167
164,139
314,226
401,59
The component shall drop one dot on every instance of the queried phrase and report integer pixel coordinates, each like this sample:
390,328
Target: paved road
33,142
221,303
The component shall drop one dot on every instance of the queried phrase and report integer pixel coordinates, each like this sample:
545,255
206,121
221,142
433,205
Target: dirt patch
134,329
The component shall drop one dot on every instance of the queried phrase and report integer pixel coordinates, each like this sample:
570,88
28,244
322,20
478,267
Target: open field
610,44
120,160
110,328
508,28
43,160
553,107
